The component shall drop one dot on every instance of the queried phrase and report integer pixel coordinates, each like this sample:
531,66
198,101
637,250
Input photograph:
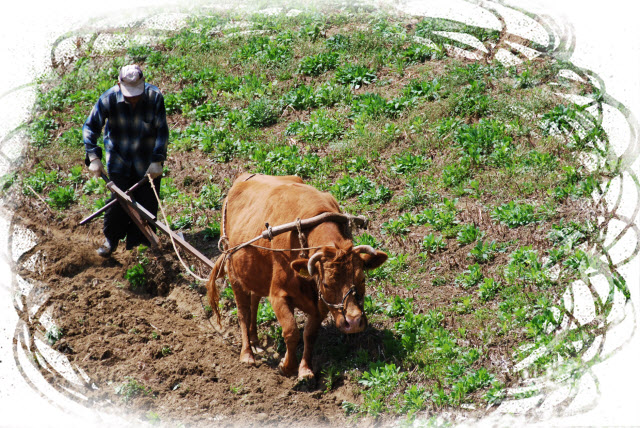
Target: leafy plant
315,65
212,230
495,395
265,312
329,94
61,197
440,218
182,222
208,111
488,289
320,128
395,227
53,334
261,113
40,130
433,244
417,53
300,98
373,105
472,101
456,173
525,267
131,389
468,233
347,186
470,277
136,276
338,42
365,239
483,252
355,75
397,307
514,215
430,90
40,180
286,160
408,163
210,197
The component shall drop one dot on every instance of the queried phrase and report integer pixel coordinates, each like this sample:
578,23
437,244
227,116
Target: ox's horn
366,248
312,262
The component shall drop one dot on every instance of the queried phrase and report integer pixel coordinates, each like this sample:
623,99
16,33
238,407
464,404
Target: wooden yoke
128,205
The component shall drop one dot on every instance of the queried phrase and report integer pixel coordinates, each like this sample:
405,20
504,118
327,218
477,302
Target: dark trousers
117,223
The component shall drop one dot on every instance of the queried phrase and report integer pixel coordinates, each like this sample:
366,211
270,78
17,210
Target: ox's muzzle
353,319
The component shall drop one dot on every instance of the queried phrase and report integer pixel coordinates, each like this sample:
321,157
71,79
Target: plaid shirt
133,138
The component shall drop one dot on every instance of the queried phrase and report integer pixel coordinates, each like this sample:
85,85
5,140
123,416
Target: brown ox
334,273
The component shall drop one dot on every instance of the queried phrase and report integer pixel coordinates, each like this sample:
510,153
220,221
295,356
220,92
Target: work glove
154,170
95,167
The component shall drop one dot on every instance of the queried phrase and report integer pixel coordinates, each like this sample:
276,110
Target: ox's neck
328,233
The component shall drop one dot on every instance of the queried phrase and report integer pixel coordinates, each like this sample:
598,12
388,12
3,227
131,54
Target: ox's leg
290,333
305,371
253,326
243,301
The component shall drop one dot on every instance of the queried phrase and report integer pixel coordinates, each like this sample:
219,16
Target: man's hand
95,167
154,170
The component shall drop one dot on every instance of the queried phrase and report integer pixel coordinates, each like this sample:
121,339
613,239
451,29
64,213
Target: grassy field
477,179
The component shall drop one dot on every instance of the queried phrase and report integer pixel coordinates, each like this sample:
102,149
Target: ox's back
254,200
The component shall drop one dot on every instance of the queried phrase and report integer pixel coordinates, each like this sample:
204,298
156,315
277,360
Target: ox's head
339,275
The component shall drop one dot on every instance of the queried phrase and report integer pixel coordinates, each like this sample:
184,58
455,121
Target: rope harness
340,305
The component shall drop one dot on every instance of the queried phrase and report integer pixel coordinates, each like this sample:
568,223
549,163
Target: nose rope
339,305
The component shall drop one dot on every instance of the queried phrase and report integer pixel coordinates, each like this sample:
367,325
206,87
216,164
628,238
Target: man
135,139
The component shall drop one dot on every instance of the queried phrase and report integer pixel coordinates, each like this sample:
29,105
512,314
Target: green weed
468,233
483,252
514,215
136,276
53,334
407,163
433,244
131,389
261,113
61,197
212,230
40,180
488,289
470,277
316,65
265,312
355,75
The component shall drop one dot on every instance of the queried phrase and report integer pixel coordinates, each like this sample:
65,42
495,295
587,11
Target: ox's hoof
305,374
247,358
286,371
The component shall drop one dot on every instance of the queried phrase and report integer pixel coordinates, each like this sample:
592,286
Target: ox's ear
371,258
299,266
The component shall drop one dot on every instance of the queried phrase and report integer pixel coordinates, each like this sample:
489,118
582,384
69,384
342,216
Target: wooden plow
144,220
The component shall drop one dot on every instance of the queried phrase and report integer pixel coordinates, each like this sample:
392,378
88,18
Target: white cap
131,80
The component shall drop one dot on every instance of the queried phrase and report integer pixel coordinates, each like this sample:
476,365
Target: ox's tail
212,289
